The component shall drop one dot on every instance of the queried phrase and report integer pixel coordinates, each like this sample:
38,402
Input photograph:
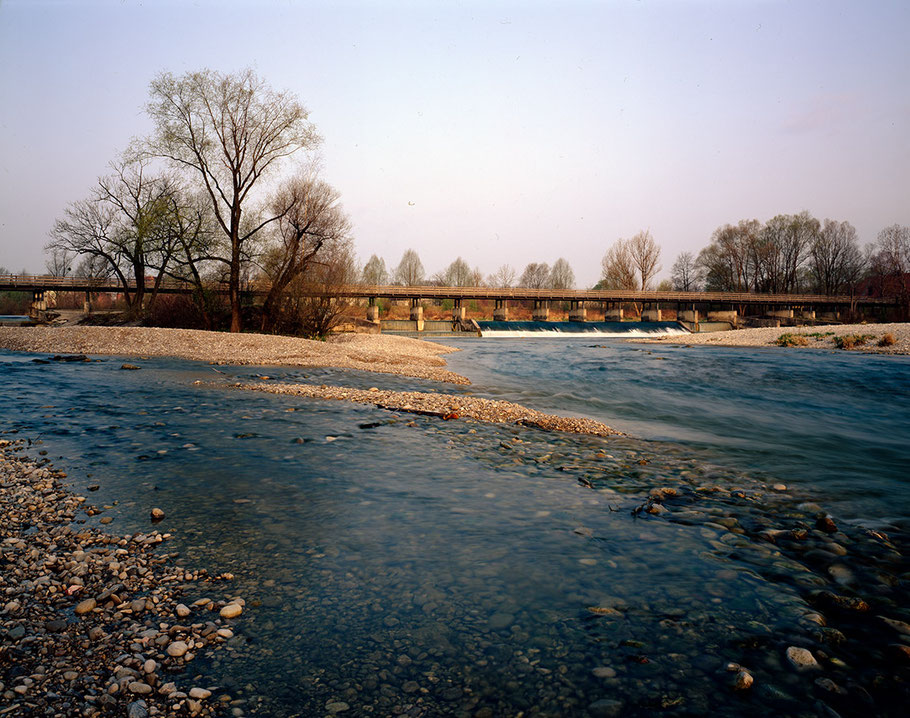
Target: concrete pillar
688,315
500,311
650,313
577,312
416,312
781,313
541,311
829,316
39,304
613,313
87,304
722,315
458,311
373,314
806,313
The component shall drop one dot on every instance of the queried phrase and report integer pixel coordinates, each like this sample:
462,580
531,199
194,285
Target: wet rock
410,687
232,610
129,367
606,708
55,626
200,694
137,709
900,652
337,707
156,514
801,658
826,524
742,681
604,672
899,626
182,610
139,688
85,606
499,621
177,649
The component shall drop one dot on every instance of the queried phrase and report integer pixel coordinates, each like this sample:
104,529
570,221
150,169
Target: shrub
792,340
887,340
851,341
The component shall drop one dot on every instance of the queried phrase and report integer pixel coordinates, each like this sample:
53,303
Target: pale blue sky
498,131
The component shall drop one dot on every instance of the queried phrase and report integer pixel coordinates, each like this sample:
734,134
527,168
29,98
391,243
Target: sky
504,132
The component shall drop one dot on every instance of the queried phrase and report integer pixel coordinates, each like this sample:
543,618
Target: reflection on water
402,565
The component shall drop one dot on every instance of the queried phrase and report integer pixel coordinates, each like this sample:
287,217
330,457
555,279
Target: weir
532,329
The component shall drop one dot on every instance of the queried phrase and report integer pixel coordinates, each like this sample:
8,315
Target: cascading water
594,329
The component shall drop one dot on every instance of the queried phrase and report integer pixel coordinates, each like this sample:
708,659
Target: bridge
716,306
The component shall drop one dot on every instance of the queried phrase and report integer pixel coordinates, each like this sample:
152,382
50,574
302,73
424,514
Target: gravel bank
368,352
93,623
445,406
819,337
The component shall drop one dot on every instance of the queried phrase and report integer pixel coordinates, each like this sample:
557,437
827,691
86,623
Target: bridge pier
541,311
372,310
417,314
38,306
831,315
687,315
807,313
650,313
87,303
458,311
613,312
500,311
781,312
723,315
577,312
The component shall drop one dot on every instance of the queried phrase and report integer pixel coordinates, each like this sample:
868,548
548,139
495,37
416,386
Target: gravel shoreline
817,337
380,353
444,406
90,622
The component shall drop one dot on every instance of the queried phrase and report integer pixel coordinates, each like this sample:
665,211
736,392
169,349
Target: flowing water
408,566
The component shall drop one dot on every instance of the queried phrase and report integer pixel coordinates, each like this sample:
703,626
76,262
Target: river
404,565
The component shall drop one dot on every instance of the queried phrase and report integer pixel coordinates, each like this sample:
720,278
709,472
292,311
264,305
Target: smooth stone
177,649
200,694
410,687
140,688
55,626
604,672
157,514
16,632
137,709
801,658
182,610
742,681
85,606
232,610
149,666
129,367
337,706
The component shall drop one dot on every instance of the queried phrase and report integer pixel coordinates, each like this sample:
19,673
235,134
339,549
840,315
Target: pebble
604,672
232,610
85,606
742,681
177,649
182,610
337,707
156,514
200,694
607,708
801,658
140,688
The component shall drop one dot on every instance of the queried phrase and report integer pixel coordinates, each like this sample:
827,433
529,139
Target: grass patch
851,341
887,340
792,340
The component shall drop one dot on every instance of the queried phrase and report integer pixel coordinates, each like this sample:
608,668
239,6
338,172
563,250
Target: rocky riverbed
444,406
92,623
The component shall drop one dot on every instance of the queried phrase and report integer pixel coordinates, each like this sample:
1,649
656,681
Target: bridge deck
72,284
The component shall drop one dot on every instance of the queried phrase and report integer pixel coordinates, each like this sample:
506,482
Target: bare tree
374,272
309,217
835,258
684,273
502,278
892,262
60,262
535,276
727,264
458,274
127,222
561,275
618,268
781,251
645,254
229,131
409,272
320,308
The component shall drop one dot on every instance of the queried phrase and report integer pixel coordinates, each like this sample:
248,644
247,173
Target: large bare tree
230,132
684,274
502,278
374,272
835,258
